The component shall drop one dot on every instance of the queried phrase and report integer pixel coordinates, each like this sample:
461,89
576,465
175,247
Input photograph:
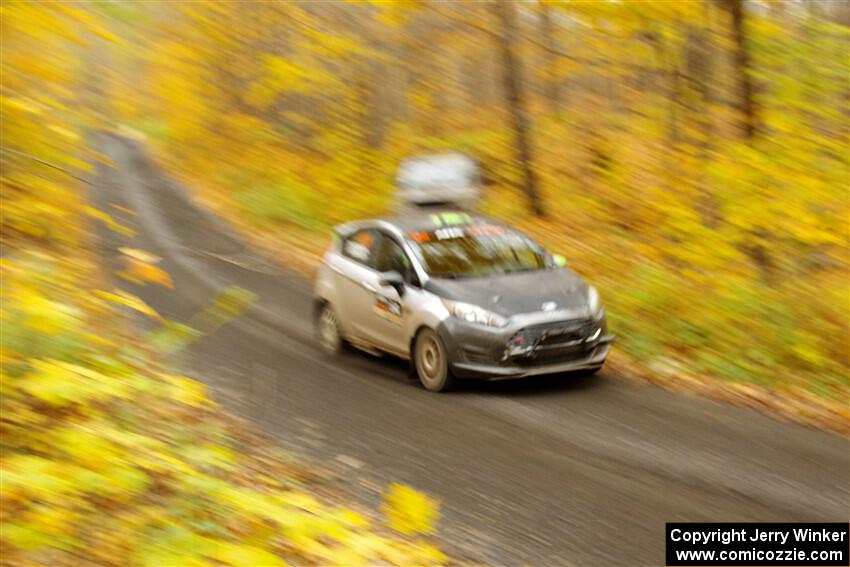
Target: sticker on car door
388,309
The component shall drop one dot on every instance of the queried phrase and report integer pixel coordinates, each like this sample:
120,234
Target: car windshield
476,251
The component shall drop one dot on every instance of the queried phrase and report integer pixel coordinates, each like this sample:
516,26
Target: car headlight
593,301
474,314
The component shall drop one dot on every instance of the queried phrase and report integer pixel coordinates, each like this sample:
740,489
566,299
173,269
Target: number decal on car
450,219
446,233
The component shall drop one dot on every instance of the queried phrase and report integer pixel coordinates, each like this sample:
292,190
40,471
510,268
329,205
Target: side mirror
393,279
559,260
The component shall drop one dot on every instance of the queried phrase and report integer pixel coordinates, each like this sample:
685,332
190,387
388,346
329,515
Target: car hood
512,294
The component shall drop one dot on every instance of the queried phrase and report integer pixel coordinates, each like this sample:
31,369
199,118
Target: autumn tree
548,35
744,86
515,102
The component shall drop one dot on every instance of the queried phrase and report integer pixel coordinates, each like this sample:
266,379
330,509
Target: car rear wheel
431,362
328,330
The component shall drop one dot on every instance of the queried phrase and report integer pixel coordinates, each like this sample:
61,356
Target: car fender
425,310
324,290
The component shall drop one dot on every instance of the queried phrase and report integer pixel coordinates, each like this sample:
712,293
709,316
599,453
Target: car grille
561,332
560,341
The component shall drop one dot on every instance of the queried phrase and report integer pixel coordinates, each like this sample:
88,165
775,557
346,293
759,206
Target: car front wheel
328,330
431,362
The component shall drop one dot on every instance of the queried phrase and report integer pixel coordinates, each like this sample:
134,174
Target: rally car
458,295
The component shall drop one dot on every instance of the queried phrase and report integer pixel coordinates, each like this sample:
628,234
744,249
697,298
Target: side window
390,257
360,246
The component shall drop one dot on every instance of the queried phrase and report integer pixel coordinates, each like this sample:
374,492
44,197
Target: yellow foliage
410,511
113,428
240,555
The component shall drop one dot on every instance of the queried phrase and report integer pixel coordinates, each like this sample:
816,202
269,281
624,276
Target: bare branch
42,162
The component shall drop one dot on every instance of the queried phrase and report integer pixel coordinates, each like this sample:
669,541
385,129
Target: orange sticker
420,237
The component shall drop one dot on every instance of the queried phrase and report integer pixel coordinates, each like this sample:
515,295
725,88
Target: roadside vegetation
689,158
108,455
110,458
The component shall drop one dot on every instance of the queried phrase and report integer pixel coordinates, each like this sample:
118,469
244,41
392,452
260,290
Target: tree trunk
674,97
840,14
550,59
702,55
515,100
745,103
667,54
700,76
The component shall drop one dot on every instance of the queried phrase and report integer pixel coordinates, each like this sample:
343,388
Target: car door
357,282
389,308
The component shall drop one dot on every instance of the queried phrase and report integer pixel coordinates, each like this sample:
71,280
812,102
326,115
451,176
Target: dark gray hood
512,294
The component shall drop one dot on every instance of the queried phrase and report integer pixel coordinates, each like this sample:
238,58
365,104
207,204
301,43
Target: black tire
328,331
431,362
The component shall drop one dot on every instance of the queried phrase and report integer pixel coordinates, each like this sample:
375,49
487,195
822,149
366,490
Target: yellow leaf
129,300
188,391
108,221
410,511
140,255
64,132
142,272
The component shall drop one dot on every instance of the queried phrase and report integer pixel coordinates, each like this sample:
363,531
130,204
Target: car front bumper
592,361
480,352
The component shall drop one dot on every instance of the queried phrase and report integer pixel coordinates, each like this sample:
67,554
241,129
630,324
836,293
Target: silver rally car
460,296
